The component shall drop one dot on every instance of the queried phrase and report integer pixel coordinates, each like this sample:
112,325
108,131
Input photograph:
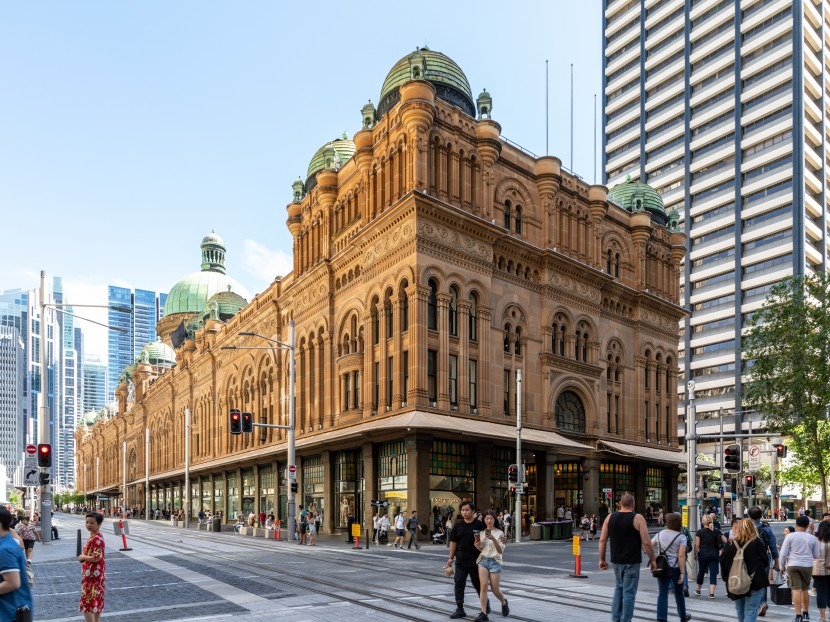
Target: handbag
780,593
23,614
661,562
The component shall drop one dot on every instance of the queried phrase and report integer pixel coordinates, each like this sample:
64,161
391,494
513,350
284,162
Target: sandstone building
432,260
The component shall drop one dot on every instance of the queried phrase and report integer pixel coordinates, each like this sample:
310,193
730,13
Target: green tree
800,472
786,350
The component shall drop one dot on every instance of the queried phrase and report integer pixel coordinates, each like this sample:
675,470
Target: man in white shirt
399,529
506,521
796,558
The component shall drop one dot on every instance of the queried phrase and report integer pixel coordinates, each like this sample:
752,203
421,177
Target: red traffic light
781,451
44,455
247,422
236,422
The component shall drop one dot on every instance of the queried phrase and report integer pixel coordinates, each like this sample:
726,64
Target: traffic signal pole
44,427
517,516
691,469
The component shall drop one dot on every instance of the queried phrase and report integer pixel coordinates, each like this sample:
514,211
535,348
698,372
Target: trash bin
546,532
535,532
217,524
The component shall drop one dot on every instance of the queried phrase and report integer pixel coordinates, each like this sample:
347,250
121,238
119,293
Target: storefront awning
458,426
651,454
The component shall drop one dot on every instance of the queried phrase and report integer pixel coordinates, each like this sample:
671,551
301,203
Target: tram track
367,590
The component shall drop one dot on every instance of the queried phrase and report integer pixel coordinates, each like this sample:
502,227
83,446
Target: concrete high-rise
146,309
720,106
95,384
12,385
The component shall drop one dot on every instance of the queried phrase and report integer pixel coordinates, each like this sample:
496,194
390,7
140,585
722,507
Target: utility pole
520,476
146,474
722,474
44,420
187,500
691,447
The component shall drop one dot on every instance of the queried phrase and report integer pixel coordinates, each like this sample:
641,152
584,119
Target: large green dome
440,70
332,155
159,354
636,196
190,295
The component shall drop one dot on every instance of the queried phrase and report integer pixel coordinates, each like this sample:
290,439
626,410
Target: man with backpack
768,538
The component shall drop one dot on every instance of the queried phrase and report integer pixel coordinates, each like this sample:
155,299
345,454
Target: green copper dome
636,196
332,155
440,70
190,295
159,354
227,304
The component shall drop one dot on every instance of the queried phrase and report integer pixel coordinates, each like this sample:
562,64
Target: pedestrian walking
13,570
412,526
798,552
399,530
312,530
629,537
586,528
672,543
821,570
93,570
594,526
708,544
768,538
491,544
28,532
375,521
756,559
383,530
463,552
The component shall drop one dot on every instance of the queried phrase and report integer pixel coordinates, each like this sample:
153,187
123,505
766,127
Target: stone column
382,357
545,484
639,475
370,479
397,349
590,485
418,458
328,493
368,365
485,362
418,296
483,481
443,350
463,355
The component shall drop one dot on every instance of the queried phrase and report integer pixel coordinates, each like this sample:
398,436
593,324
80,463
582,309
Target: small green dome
636,196
332,155
190,295
227,304
440,70
159,354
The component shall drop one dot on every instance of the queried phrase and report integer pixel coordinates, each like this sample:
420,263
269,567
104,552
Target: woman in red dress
93,566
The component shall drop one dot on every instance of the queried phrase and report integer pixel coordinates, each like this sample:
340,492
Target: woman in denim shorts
491,544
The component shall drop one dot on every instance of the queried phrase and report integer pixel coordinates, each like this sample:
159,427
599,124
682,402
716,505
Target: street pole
146,474
124,479
44,420
520,478
722,479
187,491
691,469
291,431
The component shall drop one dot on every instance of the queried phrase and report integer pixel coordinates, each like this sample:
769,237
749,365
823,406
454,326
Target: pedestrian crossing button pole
577,551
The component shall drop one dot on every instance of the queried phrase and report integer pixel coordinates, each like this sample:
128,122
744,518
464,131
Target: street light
279,345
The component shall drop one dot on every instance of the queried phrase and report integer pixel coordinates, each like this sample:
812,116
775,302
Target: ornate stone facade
428,269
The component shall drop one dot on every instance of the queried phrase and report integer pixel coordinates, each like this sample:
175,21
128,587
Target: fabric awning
651,454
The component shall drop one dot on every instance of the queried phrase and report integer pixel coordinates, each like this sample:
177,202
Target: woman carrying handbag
672,543
821,570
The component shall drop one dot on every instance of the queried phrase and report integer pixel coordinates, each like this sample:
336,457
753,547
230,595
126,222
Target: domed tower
189,297
329,157
635,196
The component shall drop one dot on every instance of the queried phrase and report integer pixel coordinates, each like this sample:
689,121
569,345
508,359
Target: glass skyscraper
147,308
721,107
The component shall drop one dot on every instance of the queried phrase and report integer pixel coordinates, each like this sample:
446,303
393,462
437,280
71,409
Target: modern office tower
719,105
80,356
146,309
63,464
95,384
20,309
12,384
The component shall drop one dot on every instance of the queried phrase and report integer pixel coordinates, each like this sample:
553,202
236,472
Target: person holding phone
491,544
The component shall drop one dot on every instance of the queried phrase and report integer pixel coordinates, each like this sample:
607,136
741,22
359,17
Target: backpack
739,581
764,534
661,562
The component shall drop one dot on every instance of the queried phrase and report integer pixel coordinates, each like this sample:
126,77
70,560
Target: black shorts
28,544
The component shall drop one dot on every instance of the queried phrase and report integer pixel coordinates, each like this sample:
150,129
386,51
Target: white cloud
265,264
88,292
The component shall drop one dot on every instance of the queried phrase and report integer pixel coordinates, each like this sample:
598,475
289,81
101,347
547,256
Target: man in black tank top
629,537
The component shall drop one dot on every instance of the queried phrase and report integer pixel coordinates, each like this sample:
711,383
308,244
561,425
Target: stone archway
570,413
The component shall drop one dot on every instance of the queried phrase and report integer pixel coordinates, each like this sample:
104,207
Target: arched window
507,215
405,313
473,328
608,262
432,306
558,339
657,374
617,264
645,368
608,369
453,311
617,370
375,321
570,413
519,219
668,374
518,343
387,310
507,338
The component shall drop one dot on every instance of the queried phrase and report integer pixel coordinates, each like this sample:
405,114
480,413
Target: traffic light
512,489
247,423
732,459
781,451
293,486
44,455
749,481
513,474
45,478
236,422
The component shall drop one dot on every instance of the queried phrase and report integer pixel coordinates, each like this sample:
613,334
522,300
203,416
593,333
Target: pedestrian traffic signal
513,474
293,486
781,451
247,422
513,489
749,481
44,455
236,422
732,459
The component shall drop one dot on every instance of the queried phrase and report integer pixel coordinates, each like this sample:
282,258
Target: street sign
292,471
30,462
684,515
754,457
575,545
31,450
31,475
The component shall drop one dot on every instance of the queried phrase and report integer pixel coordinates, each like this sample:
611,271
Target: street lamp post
279,345
691,470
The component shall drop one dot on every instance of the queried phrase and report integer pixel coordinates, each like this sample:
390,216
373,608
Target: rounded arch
514,191
583,390
569,412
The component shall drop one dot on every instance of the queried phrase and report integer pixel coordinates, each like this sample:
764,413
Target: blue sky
130,130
